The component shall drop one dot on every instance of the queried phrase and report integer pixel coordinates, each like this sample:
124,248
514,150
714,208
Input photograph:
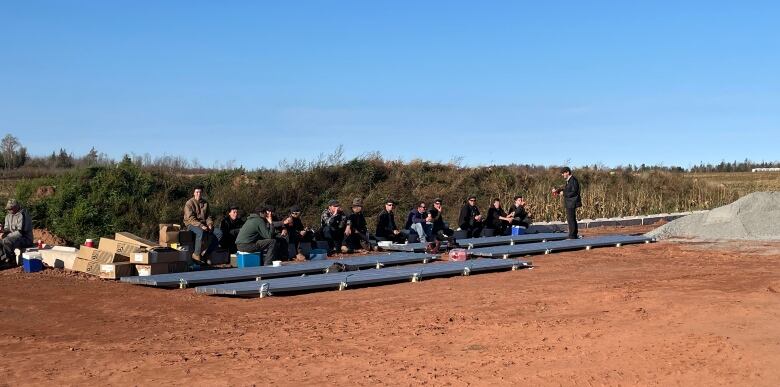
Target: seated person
469,219
356,232
17,232
419,221
228,229
518,213
386,229
497,219
297,233
332,226
197,218
440,231
258,234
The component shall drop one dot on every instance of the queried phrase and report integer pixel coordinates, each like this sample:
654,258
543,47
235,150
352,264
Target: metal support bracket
182,283
264,290
343,285
466,270
416,277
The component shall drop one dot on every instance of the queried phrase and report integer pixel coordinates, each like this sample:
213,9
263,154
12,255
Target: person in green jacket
258,234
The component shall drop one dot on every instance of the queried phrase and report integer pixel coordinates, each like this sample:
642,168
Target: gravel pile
753,217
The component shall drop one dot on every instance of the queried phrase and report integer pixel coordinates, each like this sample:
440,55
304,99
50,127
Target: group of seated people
265,231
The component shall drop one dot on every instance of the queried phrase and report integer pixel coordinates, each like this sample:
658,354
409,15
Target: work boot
196,258
345,250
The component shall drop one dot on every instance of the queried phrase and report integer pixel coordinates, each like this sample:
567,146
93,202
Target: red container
458,255
89,243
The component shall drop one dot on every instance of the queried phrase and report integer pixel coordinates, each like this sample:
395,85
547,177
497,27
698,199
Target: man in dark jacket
228,229
298,233
440,230
571,200
356,232
518,213
333,222
470,219
386,229
259,234
420,222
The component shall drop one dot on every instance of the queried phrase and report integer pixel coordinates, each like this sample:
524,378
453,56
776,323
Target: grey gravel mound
752,217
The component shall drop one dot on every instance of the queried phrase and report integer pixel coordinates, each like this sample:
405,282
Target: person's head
565,172
519,201
295,211
357,205
496,203
269,211
12,206
389,205
434,212
333,206
437,204
421,207
197,193
472,200
260,210
233,212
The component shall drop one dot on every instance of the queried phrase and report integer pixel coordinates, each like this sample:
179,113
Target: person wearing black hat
298,233
332,225
386,229
228,229
571,200
258,234
356,232
17,233
470,219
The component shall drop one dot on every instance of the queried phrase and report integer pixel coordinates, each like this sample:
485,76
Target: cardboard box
80,265
94,258
157,255
116,270
114,246
169,233
135,239
160,268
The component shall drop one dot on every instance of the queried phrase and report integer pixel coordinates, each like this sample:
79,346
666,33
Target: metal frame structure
187,279
344,280
471,243
554,246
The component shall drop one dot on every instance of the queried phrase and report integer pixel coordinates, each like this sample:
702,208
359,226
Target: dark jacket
466,217
385,225
492,220
520,216
230,226
254,229
438,220
415,217
571,193
337,221
357,222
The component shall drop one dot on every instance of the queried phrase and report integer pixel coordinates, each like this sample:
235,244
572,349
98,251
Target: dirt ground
669,313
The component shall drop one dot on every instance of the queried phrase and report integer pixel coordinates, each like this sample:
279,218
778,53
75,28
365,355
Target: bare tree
9,146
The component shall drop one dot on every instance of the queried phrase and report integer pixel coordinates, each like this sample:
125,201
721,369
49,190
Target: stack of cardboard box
173,235
126,255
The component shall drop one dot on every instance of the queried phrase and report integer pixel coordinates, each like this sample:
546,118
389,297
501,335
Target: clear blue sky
612,82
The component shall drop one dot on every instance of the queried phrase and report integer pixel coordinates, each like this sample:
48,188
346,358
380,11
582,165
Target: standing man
198,220
386,229
228,229
16,231
332,225
571,200
470,219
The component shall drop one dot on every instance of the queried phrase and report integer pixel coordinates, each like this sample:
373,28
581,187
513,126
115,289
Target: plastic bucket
318,254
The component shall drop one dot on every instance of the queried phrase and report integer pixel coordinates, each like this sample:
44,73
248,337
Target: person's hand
284,232
347,231
204,228
478,218
303,233
396,232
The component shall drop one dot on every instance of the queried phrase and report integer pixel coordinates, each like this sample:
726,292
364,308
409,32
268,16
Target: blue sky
583,82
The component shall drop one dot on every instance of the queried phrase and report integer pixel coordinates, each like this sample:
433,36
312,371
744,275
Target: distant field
742,182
